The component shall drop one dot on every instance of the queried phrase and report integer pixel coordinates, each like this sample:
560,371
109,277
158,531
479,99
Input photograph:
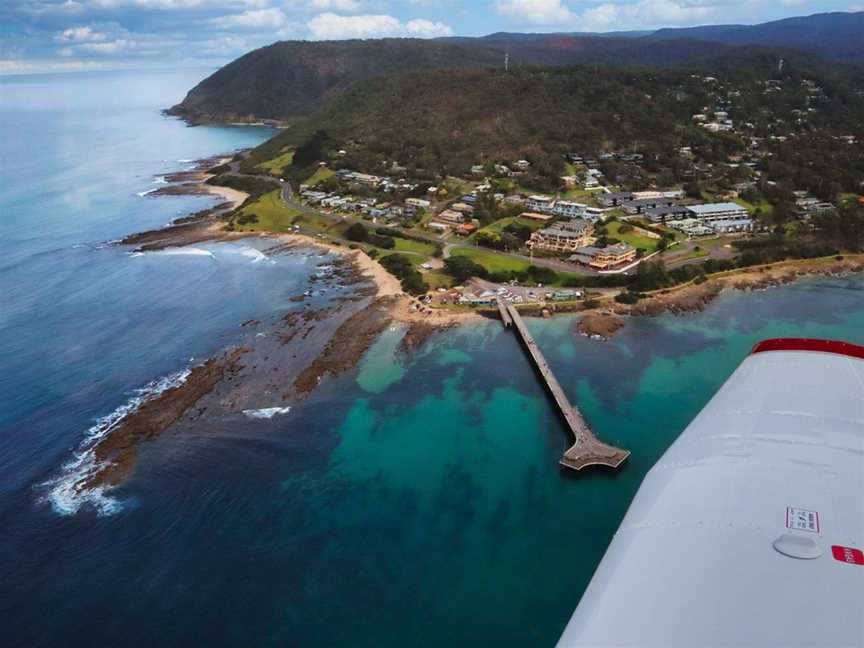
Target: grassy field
632,238
275,216
417,247
321,174
491,261
274,166
437,279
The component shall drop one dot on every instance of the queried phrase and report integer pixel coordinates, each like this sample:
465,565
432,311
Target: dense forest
442,122
289,79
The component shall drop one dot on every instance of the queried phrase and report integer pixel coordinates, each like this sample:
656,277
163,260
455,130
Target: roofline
809,344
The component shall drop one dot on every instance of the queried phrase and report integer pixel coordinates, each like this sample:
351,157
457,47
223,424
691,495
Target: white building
719,212
568,208
542,204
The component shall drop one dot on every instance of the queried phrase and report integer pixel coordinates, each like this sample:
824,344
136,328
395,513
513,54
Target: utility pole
507,62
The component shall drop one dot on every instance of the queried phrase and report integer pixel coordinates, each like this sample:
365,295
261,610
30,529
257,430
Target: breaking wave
149,191
181,251
67,493
266,412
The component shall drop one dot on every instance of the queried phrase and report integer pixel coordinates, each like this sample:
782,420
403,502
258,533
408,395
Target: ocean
414,501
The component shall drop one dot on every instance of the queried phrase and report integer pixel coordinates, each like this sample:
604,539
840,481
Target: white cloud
644,14
112,47
535,12
80,35
421,28
330,26
347,6
259,19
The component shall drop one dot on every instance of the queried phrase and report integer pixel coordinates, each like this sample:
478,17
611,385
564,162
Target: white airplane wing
749,531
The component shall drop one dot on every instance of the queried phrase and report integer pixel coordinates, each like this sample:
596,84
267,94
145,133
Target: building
563,237
535,216
450,216
418,202
614,198
542,204
462,208
726,211
439,227
732,226
604,258
692,227
568,209
466,228
643,204
663,214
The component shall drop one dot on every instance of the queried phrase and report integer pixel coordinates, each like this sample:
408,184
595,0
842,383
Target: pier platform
586,450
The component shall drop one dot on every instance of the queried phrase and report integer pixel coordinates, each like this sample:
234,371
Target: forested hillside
443,122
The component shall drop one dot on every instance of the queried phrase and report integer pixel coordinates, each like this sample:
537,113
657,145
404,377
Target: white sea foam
67,493
266,412
144,193
160,180
181,251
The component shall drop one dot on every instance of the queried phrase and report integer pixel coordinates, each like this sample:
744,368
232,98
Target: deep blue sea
416,501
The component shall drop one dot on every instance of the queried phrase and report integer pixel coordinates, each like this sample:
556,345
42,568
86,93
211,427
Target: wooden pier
505,316
587,450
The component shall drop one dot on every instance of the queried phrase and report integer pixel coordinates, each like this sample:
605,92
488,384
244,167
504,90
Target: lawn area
275,166
417,247
321,174
498,226
273,214
437,279
632,238
492,261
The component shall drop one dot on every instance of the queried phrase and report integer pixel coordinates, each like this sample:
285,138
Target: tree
357,232
462,268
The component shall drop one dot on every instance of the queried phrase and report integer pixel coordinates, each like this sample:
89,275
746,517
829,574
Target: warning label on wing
802,519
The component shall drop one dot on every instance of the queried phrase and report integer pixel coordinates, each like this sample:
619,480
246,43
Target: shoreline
308,346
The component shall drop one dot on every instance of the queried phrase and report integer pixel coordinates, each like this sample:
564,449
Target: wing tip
810,344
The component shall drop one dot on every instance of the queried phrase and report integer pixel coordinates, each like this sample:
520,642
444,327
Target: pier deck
505,315
587,450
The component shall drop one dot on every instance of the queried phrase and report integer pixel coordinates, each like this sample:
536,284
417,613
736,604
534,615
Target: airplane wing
749,531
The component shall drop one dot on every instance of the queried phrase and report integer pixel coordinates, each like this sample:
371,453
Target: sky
69,35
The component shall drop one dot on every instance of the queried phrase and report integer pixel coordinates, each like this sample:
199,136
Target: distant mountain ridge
290,79
837,36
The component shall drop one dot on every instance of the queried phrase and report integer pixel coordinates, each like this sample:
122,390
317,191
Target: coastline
306,347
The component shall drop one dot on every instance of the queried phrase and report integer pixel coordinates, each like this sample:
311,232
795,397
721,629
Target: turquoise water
415,501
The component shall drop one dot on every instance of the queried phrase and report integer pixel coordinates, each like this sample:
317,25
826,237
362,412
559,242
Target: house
439,227
478,169
522,165
568,209
718,211
466,228
563,237
604,258
591,182
418,202
570,181
450,216
462,208
535,216
542,204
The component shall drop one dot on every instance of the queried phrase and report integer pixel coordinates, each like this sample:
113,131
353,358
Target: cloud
644,14
330,26
535,12
257,19
79,35
345,6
